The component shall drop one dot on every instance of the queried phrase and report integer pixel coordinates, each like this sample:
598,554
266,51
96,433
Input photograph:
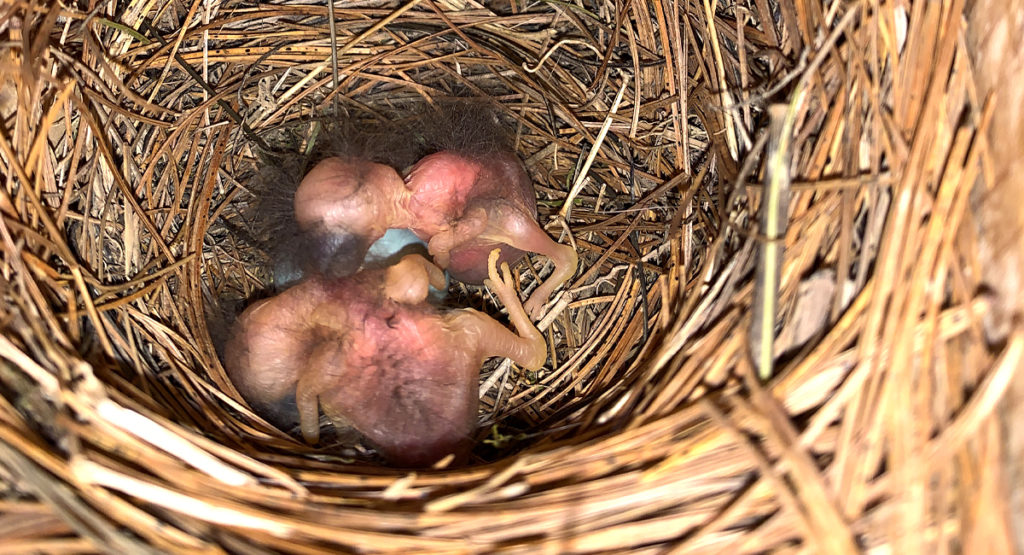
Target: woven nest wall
130,135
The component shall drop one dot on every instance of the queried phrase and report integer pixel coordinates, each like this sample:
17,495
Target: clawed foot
534,306
566,260
502,284
503,287
528,349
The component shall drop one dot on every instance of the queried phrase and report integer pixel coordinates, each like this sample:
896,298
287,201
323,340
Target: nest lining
652,430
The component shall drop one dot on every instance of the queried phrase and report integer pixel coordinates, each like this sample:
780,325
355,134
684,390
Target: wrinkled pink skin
463,206
370,352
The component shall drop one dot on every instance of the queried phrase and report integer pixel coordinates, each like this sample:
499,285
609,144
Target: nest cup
823,168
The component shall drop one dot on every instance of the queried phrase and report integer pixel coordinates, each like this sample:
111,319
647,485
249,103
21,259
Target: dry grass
127,138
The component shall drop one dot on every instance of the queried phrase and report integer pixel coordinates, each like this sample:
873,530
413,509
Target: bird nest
774,340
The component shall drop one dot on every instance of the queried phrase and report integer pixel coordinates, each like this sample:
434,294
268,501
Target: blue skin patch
393,242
